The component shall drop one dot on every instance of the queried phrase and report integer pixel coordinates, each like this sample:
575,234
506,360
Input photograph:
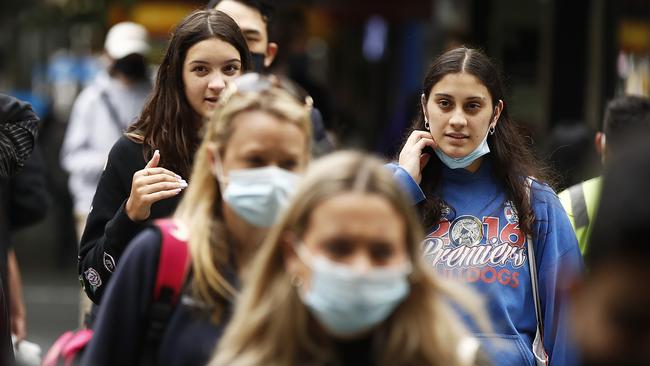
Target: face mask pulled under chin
465,161
347,302
258,195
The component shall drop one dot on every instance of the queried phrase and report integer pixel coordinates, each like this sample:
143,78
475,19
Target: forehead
211,50
356,214
461,85
261,130
247,17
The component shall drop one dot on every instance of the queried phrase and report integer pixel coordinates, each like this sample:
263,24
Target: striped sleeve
18,129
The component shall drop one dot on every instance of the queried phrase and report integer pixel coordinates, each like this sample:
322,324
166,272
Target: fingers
154,160
416,135
160,187
424,160
150,173
424,142
160,195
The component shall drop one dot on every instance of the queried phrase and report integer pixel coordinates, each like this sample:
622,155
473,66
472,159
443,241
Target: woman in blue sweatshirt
478,190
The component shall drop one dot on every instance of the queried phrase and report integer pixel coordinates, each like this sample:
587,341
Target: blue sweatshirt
121,326
478,242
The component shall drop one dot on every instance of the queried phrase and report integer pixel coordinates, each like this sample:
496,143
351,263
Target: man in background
622,115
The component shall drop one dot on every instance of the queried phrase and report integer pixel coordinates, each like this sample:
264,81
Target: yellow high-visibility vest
581,202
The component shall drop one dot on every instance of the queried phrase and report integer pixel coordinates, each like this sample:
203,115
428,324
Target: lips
211,99
457,136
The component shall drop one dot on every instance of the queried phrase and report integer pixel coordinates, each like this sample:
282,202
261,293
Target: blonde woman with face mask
245,169
338,281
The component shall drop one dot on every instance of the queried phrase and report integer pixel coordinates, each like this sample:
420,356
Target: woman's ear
423,104
498,108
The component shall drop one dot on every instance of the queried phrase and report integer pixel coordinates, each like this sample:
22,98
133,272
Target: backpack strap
173,266
541,356
115,117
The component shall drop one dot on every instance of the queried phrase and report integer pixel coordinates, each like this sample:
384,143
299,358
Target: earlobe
271,52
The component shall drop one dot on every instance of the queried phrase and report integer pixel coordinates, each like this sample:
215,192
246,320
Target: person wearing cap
103,111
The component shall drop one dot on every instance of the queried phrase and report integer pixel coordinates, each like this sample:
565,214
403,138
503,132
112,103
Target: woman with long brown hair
490,218
145,171
339,281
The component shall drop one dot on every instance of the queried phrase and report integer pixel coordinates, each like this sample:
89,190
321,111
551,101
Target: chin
455,152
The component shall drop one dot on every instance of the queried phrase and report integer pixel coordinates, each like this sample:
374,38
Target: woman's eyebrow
204,62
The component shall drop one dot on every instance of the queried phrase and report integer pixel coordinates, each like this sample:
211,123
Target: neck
247,237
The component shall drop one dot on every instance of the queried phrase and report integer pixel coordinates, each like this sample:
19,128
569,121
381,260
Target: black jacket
18,129
108,228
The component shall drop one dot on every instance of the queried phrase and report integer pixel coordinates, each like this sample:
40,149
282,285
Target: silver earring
492,130
426,125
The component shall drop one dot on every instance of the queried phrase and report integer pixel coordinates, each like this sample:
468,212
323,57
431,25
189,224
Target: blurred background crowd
361,61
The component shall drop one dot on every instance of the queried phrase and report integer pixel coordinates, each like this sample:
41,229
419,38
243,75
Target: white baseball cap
126,38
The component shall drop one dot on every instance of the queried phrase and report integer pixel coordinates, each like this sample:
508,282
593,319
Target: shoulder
144,248
127,151
541,192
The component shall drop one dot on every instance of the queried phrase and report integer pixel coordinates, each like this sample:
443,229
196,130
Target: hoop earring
491,130
426,125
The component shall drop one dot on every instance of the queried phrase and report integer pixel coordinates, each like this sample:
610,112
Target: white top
92,131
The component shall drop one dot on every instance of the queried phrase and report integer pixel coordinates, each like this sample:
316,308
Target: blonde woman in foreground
245,169
338,281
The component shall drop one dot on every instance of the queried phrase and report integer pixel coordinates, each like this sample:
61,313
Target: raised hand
151,185
411,158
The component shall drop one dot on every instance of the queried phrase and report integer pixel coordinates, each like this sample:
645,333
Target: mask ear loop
424,112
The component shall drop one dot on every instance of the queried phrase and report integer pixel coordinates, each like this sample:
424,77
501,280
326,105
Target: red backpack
173,266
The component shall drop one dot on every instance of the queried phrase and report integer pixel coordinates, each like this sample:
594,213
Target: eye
444,103
255,161
381,252
290,164
338,248
473,106
252,39
231,69
200,70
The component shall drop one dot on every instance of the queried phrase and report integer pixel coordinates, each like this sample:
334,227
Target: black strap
115,117
160,312
579,206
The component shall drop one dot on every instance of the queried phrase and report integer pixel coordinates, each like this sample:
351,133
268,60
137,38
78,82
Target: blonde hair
200,210
272,326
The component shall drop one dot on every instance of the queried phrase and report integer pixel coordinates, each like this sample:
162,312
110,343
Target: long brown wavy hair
512,158
168,122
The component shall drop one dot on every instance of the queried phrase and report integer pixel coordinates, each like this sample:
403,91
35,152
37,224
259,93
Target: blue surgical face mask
258,195
465,161
347,302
